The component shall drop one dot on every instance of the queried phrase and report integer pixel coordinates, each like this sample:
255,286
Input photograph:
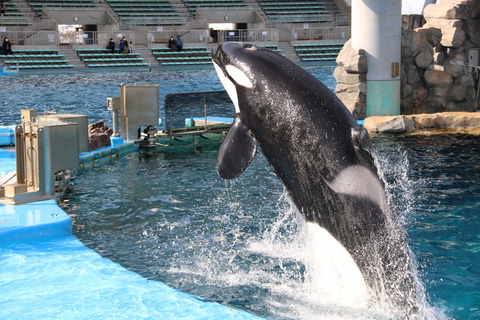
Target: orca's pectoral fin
236,151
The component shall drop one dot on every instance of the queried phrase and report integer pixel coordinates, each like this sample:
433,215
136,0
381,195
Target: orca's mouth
222,58
218,57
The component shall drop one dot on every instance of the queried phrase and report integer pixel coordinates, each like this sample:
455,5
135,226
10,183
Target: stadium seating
192,5
297,11
146,12
38,5
188,56
13,16
318,51
35,59
95,58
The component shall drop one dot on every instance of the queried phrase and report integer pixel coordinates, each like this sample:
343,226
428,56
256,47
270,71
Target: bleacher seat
318,51
39,5
146,12
13,16
35,59
98,57
188,56
298,11
192,5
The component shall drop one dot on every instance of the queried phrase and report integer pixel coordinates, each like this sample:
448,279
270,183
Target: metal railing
97,38
181,106
38,38
323,33
75,39
207,36
191,36
188,36
261,35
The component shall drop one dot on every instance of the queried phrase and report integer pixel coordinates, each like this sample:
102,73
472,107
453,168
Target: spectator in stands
6,47
111,45
214,35
3,8
121,46
131,49
171,43
125,43
179,44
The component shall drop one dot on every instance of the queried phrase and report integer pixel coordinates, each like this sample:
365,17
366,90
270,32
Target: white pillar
376,28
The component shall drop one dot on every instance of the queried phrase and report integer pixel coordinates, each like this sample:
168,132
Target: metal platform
192,139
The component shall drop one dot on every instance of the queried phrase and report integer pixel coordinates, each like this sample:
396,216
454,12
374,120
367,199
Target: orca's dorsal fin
236,151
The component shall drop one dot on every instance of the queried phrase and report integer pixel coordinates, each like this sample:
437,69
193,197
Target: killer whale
323,158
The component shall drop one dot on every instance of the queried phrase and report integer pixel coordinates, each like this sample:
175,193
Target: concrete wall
95,17
234,16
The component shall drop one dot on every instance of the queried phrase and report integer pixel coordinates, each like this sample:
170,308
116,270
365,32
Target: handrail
35,38
321,33
204,36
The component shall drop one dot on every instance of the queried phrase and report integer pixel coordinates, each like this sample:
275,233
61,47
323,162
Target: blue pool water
170,218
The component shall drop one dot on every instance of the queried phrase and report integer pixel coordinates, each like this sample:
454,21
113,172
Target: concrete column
376,28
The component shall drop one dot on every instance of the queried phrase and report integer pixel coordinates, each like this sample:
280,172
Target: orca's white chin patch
228,85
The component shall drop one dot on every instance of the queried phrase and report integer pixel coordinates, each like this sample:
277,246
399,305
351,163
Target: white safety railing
96,38
187,36
209,36
323,33
261,35
29,38
153,38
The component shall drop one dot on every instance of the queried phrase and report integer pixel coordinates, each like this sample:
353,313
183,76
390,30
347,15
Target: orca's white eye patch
239,76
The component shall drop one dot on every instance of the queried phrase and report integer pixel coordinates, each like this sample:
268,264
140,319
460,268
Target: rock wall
351,76
431,122
433,73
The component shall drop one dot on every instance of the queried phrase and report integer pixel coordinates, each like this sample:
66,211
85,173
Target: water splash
394,169
278,267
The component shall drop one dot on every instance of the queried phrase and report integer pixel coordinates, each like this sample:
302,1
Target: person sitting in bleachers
111,45
6,47
3,9
179,44
171,43
121,46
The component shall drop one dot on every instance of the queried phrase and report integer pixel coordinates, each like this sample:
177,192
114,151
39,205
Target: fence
55,38
180,106
80,38
208,36
324,33
50,38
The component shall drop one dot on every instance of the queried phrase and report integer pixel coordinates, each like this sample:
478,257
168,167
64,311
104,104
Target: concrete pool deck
47,273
